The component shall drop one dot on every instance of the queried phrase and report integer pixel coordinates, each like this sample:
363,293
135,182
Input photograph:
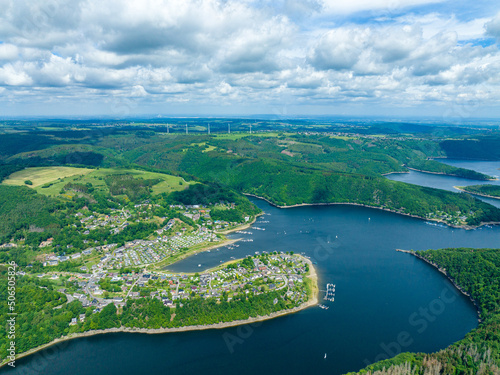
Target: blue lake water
385,302
490,168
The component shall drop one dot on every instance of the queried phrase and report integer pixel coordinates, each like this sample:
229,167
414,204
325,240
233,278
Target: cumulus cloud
8,52
339,49
493,27
345,7
244,52
14,75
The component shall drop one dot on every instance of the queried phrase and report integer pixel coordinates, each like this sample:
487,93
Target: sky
125,58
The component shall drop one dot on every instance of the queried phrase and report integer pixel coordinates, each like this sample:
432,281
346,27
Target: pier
329,294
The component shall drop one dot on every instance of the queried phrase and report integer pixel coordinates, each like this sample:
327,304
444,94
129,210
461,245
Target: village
174,237
254,275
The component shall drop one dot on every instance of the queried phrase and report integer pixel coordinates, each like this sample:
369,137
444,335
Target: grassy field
50,180
345,138
204,144
234,136
42,175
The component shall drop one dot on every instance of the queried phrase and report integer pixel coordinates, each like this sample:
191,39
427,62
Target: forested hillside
436,167
490,190
21,208
480,148
285,184
286,169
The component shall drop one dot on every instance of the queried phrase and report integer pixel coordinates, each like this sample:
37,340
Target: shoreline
243,226
466,227
312,301
154,266
445,273
210,247
387,174
479,194
451,175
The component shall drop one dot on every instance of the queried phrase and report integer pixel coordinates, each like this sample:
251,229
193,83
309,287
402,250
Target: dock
330,292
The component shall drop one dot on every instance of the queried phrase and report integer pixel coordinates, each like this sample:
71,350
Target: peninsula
242,291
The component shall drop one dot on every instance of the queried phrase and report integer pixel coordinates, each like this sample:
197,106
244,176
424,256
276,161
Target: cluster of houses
116,222
54,260
457,218
143,252
282,271
265,273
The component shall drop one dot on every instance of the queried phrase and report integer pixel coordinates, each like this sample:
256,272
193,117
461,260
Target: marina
330,292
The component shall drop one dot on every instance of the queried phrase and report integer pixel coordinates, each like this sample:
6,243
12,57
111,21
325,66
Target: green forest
490,190
477,272
285,168
434,166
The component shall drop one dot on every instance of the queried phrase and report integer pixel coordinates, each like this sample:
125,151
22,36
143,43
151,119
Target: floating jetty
324,307
434,224
330,292
258,228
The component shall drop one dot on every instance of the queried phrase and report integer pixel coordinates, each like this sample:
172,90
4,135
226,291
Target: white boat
199,265
325,355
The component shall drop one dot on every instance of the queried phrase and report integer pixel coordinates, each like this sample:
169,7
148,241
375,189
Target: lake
385,302
490,168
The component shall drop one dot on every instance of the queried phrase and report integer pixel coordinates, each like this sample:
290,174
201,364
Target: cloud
493,27
252,50
339,49
352,6
395,44
244,53
13,75
8,52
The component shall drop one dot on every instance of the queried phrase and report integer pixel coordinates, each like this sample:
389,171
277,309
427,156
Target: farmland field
42,175
50,180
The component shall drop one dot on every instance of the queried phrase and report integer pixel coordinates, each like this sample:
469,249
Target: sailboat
325,355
